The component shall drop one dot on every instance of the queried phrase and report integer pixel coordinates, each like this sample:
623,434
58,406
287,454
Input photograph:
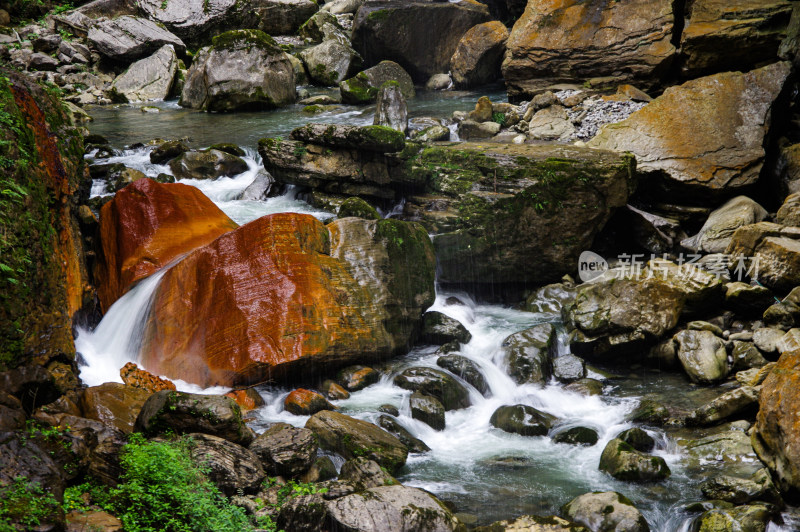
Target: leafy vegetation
500,118
24,503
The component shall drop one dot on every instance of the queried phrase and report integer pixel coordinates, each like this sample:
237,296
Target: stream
487,474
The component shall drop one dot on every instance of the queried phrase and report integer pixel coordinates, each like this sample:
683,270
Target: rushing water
483,471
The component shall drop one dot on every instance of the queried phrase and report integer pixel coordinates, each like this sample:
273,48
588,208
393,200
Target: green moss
379,15
357,90
245,39
358,208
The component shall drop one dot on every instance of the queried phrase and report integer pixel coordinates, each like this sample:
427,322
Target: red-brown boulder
285,294
247,398
139,378
148,225
302,402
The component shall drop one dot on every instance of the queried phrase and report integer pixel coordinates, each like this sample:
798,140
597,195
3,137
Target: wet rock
352,437
586,387
735,490
703,356
722,158
522,419
364,474
391,110
147,79
638,439
623,462
575,42
24,458
577,436
364,86
415,445
370,138
773,248
753,517
302,402
139,378
420,36
620,315
389,409
714,26
605,512
428,410
436,383
476,60
181,412
128,38
231,467
167,151
312,27
359,208
12,416
568,368
334,391
242,69
739,402
354,378
285,450
439,329
114,404
180,218
702,291
321,470
747,299
206,164
469,129
532,523
260,189
754,376
247,399
466,369
529,354
120,176
724,447
439,82
716,233
431,134
331,62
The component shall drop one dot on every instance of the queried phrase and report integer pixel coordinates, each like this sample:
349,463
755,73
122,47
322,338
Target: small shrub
500,118
24,503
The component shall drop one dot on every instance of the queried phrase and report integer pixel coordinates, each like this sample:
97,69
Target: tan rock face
569,40
776,439
114,404
733,35
771,253
283,293
477,58
726,116
148,225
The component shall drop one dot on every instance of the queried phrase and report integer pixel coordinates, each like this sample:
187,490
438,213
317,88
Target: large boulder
621,315
716,233
703,356
391,108
179,412
242,69
605,512
393,427
529,354
466,369
775,438
740,401
570,41
114,404
420,36
331,62
148,225
231,467
623,462
716,25
286,450
478,55
150,78
729,115
207,164
768,252
439,329
755,517
128,38
352,437
363,87
427,409
436,383
286,293
522,419
196,21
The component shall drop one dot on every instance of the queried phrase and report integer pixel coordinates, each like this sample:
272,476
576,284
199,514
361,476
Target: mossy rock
238,39
522,419
229,148
359,208
623,462
577,436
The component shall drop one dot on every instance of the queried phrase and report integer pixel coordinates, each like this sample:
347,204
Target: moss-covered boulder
529,354
242,69
465,368
363,87
285,450
605,511
428,410
357,207
577,436
522,419
354,438
439,329
436,383
623,462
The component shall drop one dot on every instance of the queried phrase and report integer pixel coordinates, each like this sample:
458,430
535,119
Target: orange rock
285,294
148,225
114,404
334,391
139,378
247,399
302,402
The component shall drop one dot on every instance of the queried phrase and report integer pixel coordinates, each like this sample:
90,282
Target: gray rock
746,355
206,164
576,436
586,387
439,329
716,233
391,425
766,339
789,213
638,439
168,150
735,490
469,129
750,517
439,82
231,467
466,369
392,110
330,62
431,134
605,512
312,28
623,462
242,69
370,138
436,383
340,7
42,62
748,299
551,123
522,419
259,189
364,86
150,78
529,353
568,368
703,356
285,450
128,38
724,447
365,474
428,410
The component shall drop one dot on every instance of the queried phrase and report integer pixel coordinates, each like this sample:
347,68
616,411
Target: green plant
163,490
300,150
24,503
500,118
